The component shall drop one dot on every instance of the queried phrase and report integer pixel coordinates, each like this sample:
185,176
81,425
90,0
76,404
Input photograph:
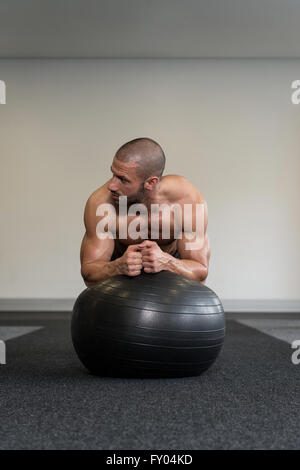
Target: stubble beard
137,198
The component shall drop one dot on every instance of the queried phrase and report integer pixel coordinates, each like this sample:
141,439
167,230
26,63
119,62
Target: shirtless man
137,170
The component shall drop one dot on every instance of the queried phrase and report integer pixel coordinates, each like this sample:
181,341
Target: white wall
227,125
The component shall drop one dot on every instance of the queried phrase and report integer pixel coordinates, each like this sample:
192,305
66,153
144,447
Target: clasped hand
146,255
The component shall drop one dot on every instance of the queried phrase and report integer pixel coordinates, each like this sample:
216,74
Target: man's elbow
86,276
88,284
201,274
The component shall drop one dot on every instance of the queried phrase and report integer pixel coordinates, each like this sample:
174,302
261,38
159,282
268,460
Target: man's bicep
94,248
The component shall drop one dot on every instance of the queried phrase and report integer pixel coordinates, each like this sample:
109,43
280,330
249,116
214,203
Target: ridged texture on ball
155,325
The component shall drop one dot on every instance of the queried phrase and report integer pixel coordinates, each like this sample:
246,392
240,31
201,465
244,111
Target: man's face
125,182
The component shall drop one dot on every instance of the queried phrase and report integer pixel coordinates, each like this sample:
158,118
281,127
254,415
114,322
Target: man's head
137,168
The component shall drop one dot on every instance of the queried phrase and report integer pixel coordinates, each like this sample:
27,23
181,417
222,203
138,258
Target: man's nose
112,185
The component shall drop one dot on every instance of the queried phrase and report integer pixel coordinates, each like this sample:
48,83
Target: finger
134,267
133,248
147,265
134,255
134,273
133,261
147,262
147,256
146,244
146,252
148,259
148,270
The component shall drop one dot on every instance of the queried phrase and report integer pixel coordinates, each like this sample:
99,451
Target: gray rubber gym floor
249,399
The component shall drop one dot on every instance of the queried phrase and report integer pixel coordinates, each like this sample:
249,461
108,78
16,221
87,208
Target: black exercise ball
152,325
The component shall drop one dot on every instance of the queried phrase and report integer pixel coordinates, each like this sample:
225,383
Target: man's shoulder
99,196
179,188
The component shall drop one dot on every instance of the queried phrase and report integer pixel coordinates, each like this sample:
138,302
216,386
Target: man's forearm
98,271
186,267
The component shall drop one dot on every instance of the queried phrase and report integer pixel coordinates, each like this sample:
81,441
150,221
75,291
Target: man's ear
151,182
